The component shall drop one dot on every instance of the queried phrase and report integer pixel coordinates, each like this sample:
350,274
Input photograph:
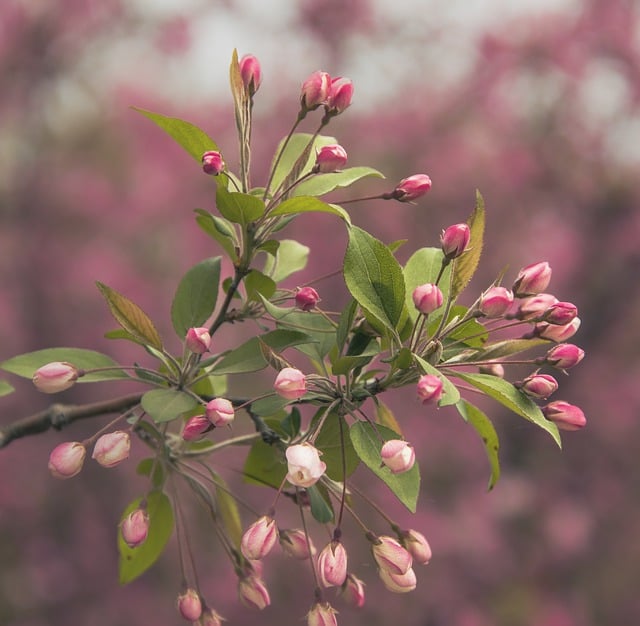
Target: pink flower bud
329,159
112,448
398,455
427,298
560,313
212,163
210,617
251,73
290,383
315,91
190,605
398,583
539,386
135,527
536,306
495,302
332,564
306,298
353,591
340,95
429,389
253,593
411,188
557,333
493,369
391,556
566,416
532,279
54,377
296,543
455,240
66,459
259,538
304,465
195,427
220,412
198,340
322,614
564,356
417,545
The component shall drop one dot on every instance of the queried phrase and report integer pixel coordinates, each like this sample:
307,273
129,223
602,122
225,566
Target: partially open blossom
532,279
493,369
253,593
564,356
417,545
352,591
251,73
306,298
535,307
427,298
398,455
195,427
210,617
411,188
340,95
66,459
190,605
566,416
560,313
429,388
212,163
290,383
332,564
55,377
322,614
329,159
198,340
296,543
391,556
304,465
315,91
259,538
219,412
112,448
539,386
398,583
495,302
135,527
455,240
557,333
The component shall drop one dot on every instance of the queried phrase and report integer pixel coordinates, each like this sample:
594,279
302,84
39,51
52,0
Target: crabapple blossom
352,591
134,528
398,583
340,95
566,416
455,240
315,91
417,545
253,592
427,298
195,427
390,555
55,377
332,564
198,340
532,279
190,605
411,188
322,614
304,465
112,448
219,412
259,539
495,301
564,356
306,298
329,159
290,383
398,455
539,386
296,543
212,163
557,333
430,388
251,73
66,459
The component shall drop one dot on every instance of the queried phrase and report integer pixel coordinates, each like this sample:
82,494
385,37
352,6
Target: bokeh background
534,103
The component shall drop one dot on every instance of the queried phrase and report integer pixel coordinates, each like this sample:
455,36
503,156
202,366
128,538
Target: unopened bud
290,383
296,543
340,95
135,527
210,617
332,564
251,73
253,593
322,614
315,91
493,369
417,545
195,427
304,465
539,386
391,556
564,356
557,333
329,159
259,538
398,583
535,307
411,188
306,298
455,240
55,377
212,163
353,591
198,340
220,412
398,455
190,605
66,459
495,302
560,313
427,298
532,279
112,448
566,416
429,389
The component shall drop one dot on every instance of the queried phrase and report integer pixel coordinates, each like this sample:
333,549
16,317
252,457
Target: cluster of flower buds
394,564
319,89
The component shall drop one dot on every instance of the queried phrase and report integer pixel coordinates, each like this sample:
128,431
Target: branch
58,416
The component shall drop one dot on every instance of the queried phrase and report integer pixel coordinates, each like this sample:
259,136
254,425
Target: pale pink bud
306,298
340,95
398,583
220,412
532,279
329,159
54,377
391,556
564,356
560,313
455,240
315,91
210,617
493,369
212,163
253,593
251,73
417,545
429,388
259,538
322,614
536,306
427,298
66,459
398,455
198,340
539,386
195,427
296,543
112,448
566,416
190,605
135,527
495,302
411,188
332,564
353,591
304,465
290,383
557,333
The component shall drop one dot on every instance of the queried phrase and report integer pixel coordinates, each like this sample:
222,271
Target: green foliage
221,230
320,504
264,465
308,204
324,183
423,267
164,405
450,394
334,441
5,388
239,208
466,265
290,257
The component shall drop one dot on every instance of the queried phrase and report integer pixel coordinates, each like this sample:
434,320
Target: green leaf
290,257
291,423
239,208
465,266
227,509
386,418
320,507
330,444
164,405
257,284
270,406
152,469
508,347
5,388
471,333
345,323
264,465
507,395
374,277
131,317
423,267
196,296
320,184
136,561
367,444
25,365
219,229
450,394
308,204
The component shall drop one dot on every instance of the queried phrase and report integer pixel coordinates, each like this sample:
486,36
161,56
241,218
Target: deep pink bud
66,459
251,73
560,313
429,388
398,583
427,298
112,448
315,91
135,527
290,383
190,605
340,95
220,412
306,298
332,564
259,538
353,591
212,163
536,306
398,455
411,188
539,386
198,340
493,369
417,545
557,333
566,416
564,356
54,377
210,617
296,543
253,593
329,159
455,240
532,279
195,427
322,614
495,302
391,556
304,465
